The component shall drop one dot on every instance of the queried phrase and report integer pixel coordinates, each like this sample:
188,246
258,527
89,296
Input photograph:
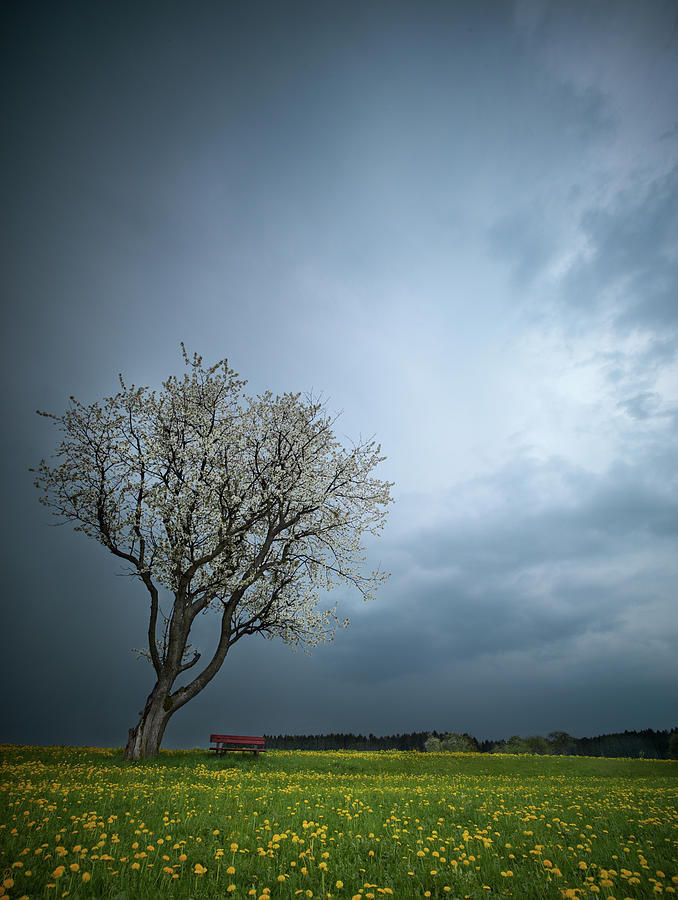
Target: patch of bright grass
82,822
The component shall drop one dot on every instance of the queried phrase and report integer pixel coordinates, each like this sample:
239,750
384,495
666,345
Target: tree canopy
248,506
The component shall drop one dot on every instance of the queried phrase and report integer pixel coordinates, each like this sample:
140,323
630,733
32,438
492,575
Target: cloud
463,232
550,558
631,261
523,240
595,370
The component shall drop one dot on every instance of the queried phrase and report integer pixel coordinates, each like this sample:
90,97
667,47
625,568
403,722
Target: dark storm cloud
388,203
529,577
528,237
631,259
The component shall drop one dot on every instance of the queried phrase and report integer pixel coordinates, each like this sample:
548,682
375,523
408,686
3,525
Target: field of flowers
80,822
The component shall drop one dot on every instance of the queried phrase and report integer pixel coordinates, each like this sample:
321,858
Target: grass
81,822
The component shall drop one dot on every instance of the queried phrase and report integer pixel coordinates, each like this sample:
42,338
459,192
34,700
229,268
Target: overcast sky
459,222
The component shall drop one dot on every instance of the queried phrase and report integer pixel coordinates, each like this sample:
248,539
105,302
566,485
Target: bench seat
220,743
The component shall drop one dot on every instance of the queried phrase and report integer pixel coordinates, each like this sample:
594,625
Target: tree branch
152,622
184,694
188,665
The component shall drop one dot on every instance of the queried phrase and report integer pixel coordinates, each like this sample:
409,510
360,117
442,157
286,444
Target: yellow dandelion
58,872
199,869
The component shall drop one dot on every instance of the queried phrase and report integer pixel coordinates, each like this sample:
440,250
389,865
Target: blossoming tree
248,507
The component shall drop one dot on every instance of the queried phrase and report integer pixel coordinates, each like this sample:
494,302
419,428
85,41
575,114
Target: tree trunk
144,740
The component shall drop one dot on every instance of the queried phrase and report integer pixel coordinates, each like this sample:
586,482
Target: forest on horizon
648,743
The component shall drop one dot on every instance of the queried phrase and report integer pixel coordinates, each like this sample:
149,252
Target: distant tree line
413,741
648,743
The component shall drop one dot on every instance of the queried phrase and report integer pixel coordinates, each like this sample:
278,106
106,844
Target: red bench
223,742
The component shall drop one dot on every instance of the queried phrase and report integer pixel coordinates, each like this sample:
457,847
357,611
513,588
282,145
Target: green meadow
82,822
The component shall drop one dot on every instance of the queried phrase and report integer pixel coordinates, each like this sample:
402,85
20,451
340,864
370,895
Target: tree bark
144,739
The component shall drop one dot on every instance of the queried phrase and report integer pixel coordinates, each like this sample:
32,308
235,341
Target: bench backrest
235,739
